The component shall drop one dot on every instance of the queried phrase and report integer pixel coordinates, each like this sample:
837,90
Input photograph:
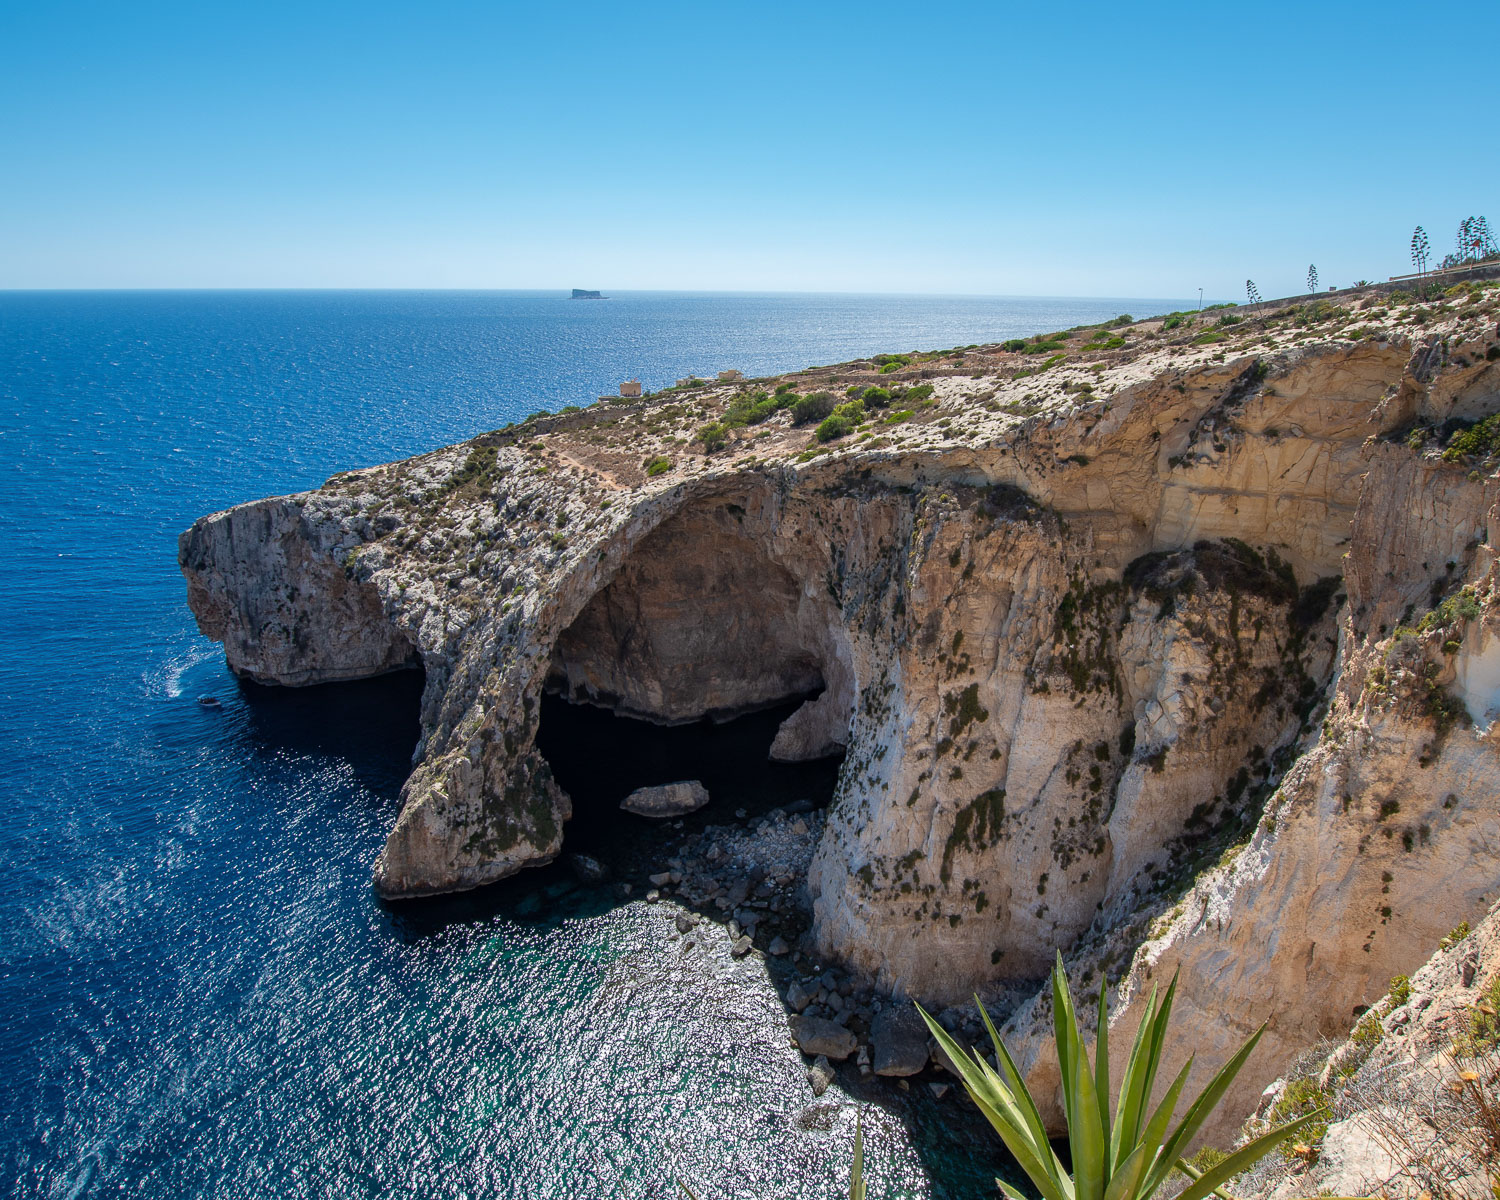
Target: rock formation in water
1166,643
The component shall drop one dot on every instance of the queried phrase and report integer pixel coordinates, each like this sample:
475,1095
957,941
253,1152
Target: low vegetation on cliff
1142,640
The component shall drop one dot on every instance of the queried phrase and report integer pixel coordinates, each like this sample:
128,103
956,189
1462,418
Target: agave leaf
1085,1133
1246,1156
1010,1192
1208,1099
1021,1150
1184,1167
977,1076
1101,1065
1064,1028
1156,1127
1131,1104
1158,1039
1024,1101
1127,1176
1012,1114
1157,1167
857,1171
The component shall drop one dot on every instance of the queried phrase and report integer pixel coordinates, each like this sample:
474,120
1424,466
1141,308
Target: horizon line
563,292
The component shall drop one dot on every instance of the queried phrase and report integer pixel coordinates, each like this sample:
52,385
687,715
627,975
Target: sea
200,995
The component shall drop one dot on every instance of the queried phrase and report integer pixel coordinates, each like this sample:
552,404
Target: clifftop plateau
1167,642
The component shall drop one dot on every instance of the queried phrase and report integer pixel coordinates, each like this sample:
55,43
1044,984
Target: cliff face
1080,629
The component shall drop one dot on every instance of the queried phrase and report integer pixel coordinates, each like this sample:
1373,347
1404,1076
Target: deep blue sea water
199,994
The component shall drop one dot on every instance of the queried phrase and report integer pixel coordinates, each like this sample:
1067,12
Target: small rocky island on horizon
585,294
1168,643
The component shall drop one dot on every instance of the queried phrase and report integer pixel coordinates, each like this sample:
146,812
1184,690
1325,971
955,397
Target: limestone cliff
1085,619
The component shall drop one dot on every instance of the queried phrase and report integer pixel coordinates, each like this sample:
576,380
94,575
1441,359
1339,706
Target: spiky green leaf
1242,1159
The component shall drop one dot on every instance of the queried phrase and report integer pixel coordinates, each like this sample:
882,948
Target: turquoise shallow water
199,995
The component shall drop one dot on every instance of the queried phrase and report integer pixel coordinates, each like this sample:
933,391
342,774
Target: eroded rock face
1076,642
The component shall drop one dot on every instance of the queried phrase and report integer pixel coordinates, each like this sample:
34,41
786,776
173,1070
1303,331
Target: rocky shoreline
749,878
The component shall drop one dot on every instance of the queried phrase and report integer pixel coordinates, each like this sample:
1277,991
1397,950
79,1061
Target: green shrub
714,435
913,395
1014,345
1455,935
659,465
872,397
1481,440
1400,991
1302,1102
812,407
839,422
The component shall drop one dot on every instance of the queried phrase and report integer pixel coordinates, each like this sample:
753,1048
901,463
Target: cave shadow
371,724
599,757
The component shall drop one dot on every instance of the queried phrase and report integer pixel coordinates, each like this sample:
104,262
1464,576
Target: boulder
742,946
588,869
667,799
817,1036
820,1075
797,996
900,1040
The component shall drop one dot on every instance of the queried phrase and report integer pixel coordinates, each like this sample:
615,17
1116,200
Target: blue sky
1084,149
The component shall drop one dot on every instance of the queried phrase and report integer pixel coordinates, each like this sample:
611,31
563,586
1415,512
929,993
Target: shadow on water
598,758
372,724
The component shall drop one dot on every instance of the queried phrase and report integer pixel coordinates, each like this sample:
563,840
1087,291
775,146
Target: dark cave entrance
598,758
709,639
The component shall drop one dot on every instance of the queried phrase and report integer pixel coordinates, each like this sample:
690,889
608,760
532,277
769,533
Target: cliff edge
1166,643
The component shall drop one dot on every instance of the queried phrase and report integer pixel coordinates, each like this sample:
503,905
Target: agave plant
1129,1155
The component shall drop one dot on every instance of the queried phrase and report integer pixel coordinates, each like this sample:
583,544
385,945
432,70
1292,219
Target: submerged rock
666,800
588,868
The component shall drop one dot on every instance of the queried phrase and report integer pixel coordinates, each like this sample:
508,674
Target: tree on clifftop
1476,244
1252,291
1421,249
1312,278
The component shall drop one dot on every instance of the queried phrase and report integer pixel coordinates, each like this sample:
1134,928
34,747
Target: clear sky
983,148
